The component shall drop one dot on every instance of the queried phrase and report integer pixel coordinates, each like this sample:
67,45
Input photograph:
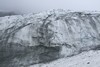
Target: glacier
55,33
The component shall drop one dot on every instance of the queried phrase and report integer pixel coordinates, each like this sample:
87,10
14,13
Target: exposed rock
3,13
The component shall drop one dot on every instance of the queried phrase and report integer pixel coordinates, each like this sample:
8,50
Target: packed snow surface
85,59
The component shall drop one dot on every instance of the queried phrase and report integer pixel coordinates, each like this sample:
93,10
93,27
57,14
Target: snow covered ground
85,59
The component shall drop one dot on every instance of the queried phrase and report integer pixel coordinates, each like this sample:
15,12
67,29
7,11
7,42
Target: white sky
26,6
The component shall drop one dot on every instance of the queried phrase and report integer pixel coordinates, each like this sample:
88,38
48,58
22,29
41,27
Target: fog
26,6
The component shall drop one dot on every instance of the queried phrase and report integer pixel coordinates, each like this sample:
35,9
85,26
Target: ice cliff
73,32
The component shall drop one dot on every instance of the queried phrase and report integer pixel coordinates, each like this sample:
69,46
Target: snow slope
85,59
